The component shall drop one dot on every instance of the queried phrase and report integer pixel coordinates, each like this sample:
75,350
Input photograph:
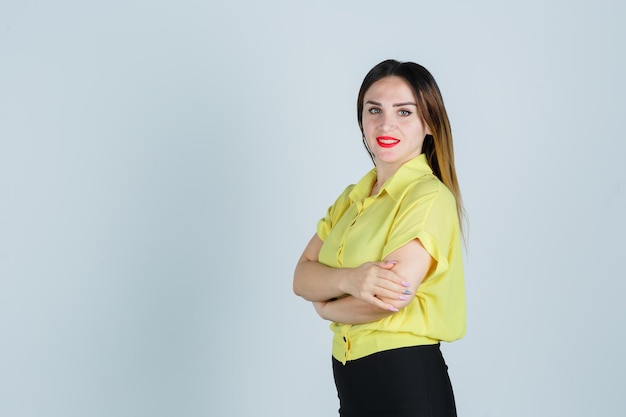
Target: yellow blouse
359,228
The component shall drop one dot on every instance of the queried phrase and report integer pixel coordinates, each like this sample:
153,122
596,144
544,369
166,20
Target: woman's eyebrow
408,103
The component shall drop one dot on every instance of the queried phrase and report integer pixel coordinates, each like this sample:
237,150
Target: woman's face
393,128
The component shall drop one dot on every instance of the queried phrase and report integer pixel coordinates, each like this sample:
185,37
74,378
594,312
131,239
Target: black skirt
411,381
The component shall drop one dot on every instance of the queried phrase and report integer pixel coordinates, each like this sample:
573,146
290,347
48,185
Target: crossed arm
364,294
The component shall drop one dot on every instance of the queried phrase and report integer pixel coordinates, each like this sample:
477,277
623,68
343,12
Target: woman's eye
404,113
374,110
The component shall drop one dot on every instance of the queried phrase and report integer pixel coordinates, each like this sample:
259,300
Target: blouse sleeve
428,214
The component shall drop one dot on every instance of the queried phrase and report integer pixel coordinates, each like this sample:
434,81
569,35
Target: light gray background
163,164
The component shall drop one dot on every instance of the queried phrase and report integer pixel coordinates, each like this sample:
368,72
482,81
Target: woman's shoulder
429,187
345,194
343,200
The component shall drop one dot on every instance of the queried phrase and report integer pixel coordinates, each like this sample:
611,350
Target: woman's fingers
376,281
392,285
383,305
383,290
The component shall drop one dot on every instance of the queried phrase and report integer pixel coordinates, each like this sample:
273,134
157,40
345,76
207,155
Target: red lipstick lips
387,141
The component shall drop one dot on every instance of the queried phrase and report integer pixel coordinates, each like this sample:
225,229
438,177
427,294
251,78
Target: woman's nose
387,122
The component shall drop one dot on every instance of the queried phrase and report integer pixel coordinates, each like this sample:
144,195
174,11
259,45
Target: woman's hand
378,284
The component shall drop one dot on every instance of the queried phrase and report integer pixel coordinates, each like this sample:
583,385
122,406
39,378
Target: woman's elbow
297,286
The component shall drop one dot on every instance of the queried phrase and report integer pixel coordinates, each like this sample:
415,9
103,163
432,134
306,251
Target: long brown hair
437,146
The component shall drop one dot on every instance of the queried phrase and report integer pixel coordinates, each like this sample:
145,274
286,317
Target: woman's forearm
350,310
314,281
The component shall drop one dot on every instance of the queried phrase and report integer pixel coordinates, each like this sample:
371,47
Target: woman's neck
382,175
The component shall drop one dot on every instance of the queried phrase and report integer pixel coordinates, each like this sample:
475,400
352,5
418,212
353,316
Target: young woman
385,265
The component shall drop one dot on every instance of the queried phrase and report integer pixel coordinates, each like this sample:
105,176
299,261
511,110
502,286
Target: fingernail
402,297
392,262
407,292
405,284
393,309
